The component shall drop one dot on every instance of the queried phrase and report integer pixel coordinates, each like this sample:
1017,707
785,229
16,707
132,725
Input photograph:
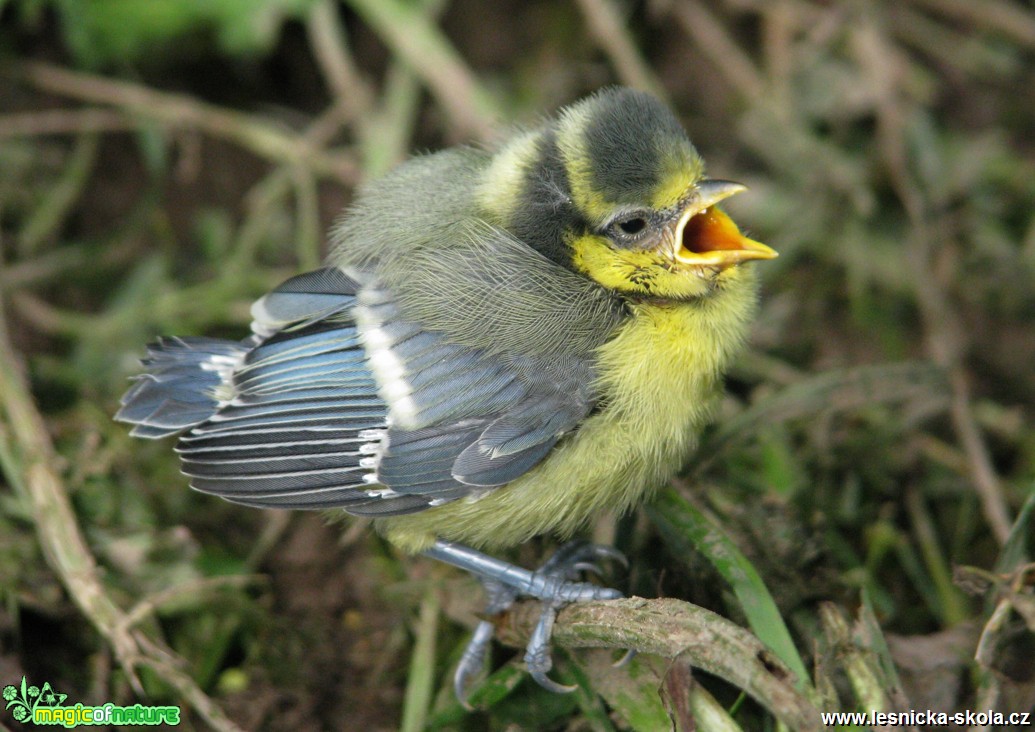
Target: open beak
707,237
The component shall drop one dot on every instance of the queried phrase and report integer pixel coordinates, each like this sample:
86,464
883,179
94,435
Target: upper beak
706,236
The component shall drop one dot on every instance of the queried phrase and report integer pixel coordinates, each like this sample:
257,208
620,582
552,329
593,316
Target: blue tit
504,343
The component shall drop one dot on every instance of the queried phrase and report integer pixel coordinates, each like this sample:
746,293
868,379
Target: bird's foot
555,584
566,564
500,598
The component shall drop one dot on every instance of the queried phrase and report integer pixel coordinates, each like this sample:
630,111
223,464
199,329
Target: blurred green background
863,504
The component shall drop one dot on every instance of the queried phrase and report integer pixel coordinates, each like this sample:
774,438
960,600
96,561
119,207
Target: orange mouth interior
711,231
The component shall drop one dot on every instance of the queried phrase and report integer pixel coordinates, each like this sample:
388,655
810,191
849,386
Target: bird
506,341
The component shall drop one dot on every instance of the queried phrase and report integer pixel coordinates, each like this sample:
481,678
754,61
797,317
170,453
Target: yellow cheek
612,268
634,272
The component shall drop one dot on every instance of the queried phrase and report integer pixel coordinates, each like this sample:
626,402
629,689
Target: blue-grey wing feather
304,299
340,400
478,417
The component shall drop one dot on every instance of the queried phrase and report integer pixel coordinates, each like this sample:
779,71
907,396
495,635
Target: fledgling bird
503,344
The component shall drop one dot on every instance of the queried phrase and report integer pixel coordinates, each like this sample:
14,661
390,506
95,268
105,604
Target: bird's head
613,188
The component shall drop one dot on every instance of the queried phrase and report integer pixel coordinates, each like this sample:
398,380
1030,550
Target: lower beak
707,237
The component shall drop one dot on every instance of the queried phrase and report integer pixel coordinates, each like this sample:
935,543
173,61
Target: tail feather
181,386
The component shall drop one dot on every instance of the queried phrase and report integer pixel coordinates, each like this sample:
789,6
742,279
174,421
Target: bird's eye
632,225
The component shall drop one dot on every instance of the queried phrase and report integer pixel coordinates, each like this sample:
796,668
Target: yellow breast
658,379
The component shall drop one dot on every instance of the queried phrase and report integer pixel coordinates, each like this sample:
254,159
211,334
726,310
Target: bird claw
555,584
576,555
537,653
549,684
629,655
472,661
589,567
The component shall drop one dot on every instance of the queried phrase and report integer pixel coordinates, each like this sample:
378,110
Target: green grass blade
1016,548
687,529
422,667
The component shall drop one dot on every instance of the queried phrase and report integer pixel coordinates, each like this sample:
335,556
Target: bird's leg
554,584
500,597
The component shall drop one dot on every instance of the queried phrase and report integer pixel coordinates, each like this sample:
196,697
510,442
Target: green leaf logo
25,699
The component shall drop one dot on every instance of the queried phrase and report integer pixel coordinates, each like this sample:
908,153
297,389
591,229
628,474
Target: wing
346,402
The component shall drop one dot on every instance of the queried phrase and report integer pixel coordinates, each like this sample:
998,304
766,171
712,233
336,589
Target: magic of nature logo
43,705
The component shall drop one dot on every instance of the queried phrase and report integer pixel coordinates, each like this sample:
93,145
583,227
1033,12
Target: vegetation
856,531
